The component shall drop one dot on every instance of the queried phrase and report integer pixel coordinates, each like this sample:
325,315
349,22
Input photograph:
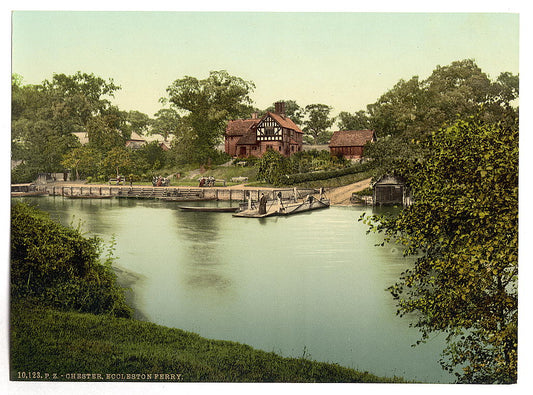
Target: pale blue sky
346,60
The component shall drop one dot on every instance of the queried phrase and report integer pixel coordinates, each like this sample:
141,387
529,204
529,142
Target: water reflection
204,267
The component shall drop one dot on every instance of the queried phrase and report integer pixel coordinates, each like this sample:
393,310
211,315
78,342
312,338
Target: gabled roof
352,138
284,121
239,127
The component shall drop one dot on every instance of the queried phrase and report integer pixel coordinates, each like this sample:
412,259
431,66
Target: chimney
254,115
279,108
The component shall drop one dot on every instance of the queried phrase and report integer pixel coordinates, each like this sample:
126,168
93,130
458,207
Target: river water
311,284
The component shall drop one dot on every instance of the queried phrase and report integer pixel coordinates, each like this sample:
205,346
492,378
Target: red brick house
254,136
350,143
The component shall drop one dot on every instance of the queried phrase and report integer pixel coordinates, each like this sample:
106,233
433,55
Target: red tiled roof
284,121
249,138
351,138
239,127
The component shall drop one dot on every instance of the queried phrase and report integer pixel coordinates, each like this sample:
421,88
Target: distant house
350,143
391,190
255,136
135,141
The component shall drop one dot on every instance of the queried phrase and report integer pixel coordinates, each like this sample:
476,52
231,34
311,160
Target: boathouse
350,143
255,136
391,190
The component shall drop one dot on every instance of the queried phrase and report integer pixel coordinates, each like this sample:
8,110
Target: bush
23,174
324,175
55,265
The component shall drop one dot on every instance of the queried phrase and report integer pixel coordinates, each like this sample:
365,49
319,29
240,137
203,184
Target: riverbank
337,195
70,346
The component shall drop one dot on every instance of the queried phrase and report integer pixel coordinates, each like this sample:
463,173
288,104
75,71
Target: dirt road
341,196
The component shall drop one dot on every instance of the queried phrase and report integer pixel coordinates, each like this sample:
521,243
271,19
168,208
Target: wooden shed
391,190
350,143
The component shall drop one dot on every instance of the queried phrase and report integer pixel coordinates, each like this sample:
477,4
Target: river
312,285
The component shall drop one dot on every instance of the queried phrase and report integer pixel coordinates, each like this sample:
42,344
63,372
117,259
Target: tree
137,122
416,108
149,157
103,135
117,158
83,159
208,105
166,123
45,116
357,121
317,122
400,110
463,229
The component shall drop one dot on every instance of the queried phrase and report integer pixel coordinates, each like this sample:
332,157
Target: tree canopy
463,231
317,122
207,105
45,116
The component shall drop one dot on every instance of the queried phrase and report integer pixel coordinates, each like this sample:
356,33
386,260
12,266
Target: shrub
55,265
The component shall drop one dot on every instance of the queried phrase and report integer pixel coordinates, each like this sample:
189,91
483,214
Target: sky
343,59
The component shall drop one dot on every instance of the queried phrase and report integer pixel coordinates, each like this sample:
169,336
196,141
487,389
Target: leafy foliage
317,123
45,116
272,167
358,121
463,227
56,266
208,105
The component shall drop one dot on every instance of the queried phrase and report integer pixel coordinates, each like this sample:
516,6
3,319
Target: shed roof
352,138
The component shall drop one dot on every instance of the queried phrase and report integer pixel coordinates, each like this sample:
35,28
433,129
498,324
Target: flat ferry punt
283,207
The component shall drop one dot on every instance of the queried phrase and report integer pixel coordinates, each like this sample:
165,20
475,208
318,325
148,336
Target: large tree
317,122
463,231
166,122
207,105
415,108
84,160
357,121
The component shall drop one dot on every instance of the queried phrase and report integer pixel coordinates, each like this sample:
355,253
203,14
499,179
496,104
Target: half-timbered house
253,137
350,143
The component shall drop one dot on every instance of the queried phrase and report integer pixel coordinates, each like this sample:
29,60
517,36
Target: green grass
49,341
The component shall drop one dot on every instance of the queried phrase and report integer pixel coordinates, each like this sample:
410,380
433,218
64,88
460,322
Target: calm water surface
312,283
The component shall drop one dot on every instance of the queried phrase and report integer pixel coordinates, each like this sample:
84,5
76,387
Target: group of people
207,181
158,181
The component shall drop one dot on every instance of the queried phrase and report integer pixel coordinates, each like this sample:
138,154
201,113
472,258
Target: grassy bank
51,342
